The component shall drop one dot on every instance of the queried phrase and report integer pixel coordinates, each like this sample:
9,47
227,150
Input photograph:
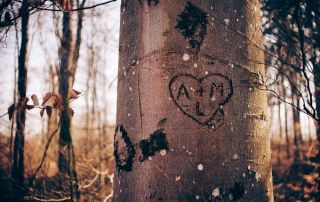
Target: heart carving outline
216,112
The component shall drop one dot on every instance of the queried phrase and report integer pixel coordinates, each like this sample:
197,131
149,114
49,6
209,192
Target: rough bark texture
317,100
18,153
191,120
66,161
296,121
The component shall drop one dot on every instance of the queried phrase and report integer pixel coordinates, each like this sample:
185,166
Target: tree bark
18,153
288,144
191,119
76,52
66,158
297,139
316,73
280,132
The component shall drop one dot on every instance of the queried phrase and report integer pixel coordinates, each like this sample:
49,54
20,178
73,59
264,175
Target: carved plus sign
201,91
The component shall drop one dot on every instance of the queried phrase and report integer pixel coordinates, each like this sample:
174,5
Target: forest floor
295,180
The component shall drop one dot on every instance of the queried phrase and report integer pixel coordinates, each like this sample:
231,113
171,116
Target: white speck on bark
200,167
163,152
235,156
185,57
226,21
215,192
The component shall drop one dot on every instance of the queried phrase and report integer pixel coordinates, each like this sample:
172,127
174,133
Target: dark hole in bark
237,190
123,155
192,24
156,142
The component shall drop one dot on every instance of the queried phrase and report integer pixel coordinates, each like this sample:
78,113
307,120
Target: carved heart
202,99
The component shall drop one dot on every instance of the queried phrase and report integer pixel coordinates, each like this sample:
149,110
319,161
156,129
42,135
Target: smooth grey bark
171,54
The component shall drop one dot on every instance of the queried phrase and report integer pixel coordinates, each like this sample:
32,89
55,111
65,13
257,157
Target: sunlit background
100,30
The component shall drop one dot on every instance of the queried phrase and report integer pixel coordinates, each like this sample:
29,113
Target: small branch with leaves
55,99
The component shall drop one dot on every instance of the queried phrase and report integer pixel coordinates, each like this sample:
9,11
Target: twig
108,197
43,156
78,9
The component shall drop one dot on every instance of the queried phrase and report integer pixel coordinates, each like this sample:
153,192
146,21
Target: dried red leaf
77,92
41,112
46,97
71,112
35,100
24,102
72,95
60,110
57,101
11,110
28,107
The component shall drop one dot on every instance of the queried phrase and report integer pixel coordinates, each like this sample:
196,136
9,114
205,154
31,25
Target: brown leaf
60,110
57,101
77,92
71,112
49,111
11,110
28,107
72,95
46,97
24,102
35,100
42,111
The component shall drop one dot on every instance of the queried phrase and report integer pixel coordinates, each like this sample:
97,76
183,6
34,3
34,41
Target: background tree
293,41
18,154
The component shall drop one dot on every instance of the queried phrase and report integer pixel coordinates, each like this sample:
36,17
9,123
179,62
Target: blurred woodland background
58,93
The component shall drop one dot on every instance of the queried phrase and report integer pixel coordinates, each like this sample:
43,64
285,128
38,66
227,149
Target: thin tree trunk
309,131
280,132
66,160
18,153
192,123
288,144
296,125
316,73
77,44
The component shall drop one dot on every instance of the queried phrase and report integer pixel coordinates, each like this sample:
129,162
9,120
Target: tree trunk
76,52
280,132
66,160
296,124
18,153
288,144
316,73
191,120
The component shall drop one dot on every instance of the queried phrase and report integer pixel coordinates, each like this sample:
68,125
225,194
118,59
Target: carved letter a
183,91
